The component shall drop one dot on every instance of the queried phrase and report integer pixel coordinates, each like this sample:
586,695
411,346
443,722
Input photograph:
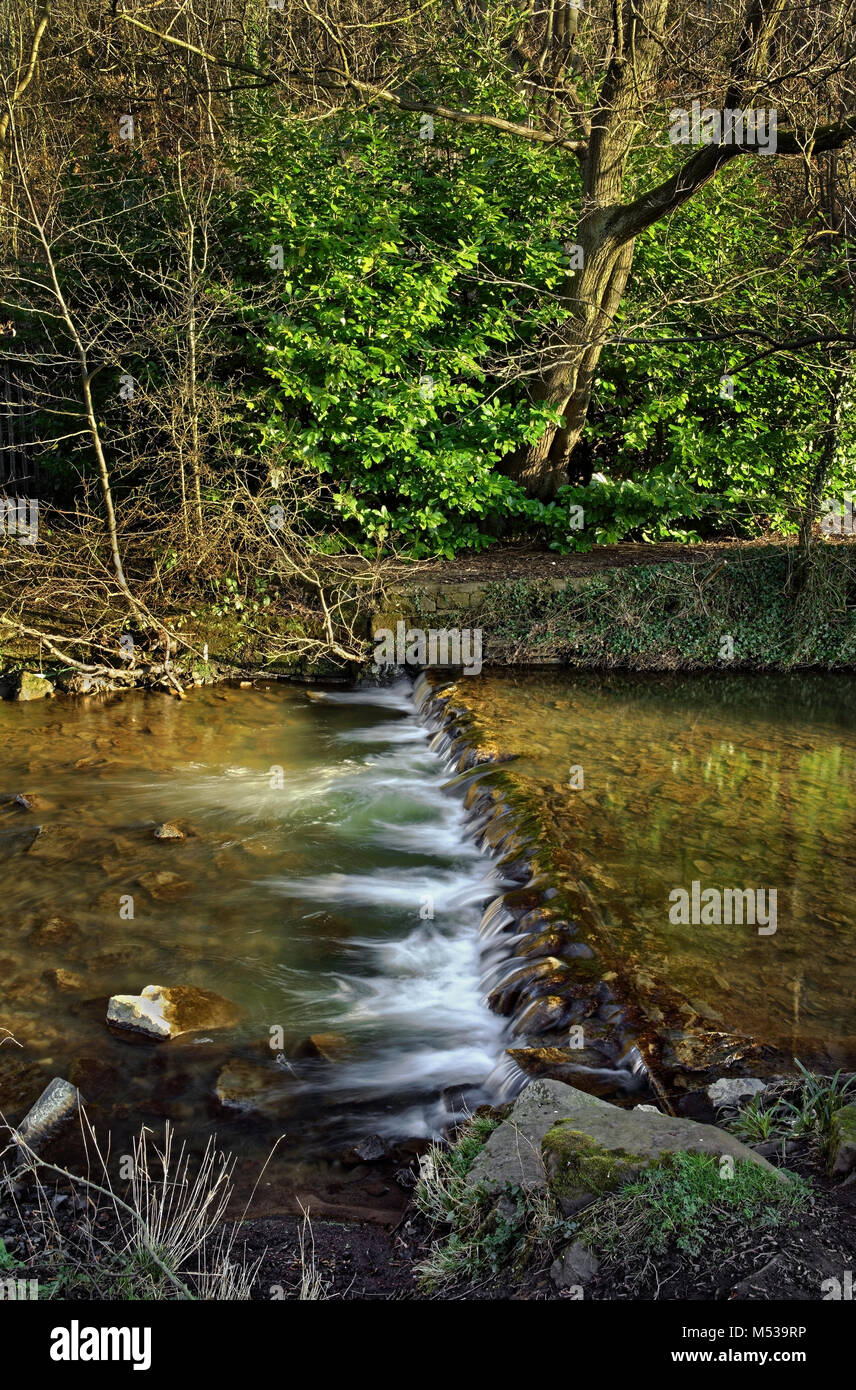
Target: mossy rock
579,1169
843,1149
633,1139
31,686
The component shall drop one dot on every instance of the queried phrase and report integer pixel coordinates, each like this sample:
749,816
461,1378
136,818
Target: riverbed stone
731,1090
58,1104
57,842
161,1012
588,1069
55,931
578,1146
699,1057
29,685
575,1267
327,1047
66,981
164,886
248,1087
514,982
547,1015
168,831
551,942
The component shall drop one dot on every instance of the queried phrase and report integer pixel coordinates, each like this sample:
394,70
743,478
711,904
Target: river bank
717,606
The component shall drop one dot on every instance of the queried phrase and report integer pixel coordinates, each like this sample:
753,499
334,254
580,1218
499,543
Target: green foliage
815,1110
611,510
406,278
688,1205
757,1122
414,271
810,1111
741,276
487,1234
393,350
676,614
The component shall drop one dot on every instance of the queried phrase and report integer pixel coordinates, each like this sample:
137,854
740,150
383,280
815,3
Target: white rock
162,1012
730,1090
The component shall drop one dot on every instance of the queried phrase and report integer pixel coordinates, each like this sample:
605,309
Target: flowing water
645,785
325,885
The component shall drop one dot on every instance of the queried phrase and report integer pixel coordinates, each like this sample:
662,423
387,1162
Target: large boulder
162,1012
580,1147
326,1047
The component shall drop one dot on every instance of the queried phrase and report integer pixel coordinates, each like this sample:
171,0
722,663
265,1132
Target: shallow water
731,781
325,885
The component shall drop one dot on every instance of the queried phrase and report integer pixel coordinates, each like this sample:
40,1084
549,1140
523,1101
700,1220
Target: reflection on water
324,884
731,781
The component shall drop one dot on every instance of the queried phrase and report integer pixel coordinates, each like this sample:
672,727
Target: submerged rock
369,1150
579,1147
584,1068
58,1104
252,1088
168,831
164,886
518,981
66,981
161,1012
697,1058
551,1014
553,941
329,1047
60,842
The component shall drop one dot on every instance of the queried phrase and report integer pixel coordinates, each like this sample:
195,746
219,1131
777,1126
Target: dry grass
166,1238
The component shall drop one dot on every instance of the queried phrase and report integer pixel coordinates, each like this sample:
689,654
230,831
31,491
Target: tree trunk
822,468
593,296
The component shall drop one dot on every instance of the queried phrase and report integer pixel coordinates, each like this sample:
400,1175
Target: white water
415,997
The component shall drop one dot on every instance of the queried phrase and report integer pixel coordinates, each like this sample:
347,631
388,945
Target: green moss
845,1125
689,1205
575,1162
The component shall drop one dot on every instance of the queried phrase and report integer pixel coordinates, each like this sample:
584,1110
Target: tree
599,86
